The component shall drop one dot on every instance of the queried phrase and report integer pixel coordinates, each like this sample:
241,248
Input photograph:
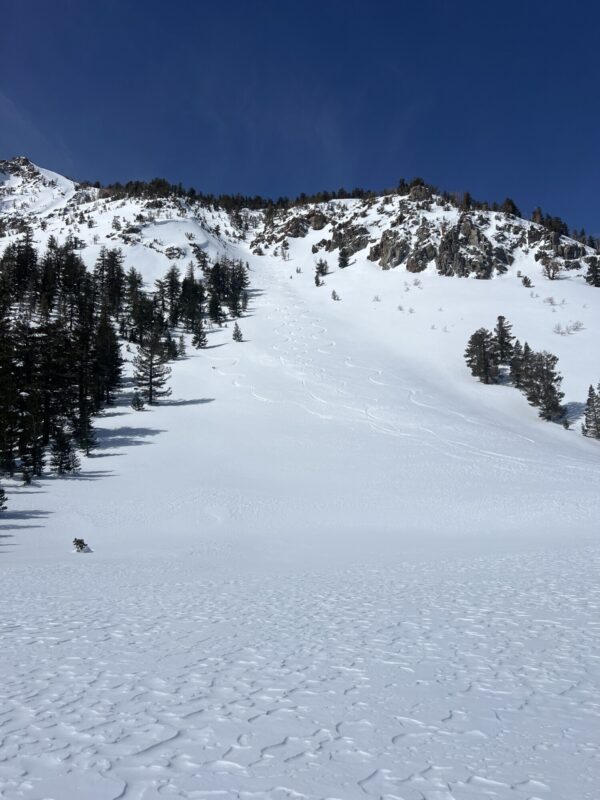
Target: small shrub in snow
335,295
237,333
377,299
136,402
80,546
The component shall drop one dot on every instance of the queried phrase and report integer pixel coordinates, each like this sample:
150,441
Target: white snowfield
331,565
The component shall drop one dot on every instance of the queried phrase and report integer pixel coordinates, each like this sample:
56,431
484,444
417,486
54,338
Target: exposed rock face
19,166
391,250
351,237
317,220
420,258
296,227
420,193
465,250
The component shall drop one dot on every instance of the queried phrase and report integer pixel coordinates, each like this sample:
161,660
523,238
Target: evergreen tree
237,333
215,312
591,425
151,372
108,363
516,364
321,267
63,457
593,273
181,347
543,385
2,499
503,341
199,339
343,258
480,356
136,402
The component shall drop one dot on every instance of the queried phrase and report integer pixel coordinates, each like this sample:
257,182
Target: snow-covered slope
27,191
332,565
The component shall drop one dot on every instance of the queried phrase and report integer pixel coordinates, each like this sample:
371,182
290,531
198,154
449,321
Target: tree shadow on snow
125,436
198,402
20,516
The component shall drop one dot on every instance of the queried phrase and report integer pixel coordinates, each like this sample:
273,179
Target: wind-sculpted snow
472,677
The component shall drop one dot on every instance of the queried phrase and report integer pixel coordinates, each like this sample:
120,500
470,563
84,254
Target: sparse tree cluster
535,374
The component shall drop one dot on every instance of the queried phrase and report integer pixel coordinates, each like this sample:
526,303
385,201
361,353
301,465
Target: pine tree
181,347
151,372
480,356
543,385
591,425
199,339
2,499
516,364
107,362
63,457
503,341
84,434
343,258
593,273
237,333
322,267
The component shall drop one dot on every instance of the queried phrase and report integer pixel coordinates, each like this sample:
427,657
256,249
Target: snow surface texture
332,565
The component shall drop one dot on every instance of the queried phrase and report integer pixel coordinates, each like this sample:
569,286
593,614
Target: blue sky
277,97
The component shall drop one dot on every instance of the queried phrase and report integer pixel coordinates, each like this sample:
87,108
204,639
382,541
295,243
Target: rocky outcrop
351,237
391,250
419,259
317,220
296,227
465,250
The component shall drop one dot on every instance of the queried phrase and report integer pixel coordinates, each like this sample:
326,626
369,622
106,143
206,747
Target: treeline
534,373
158,188
60,359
